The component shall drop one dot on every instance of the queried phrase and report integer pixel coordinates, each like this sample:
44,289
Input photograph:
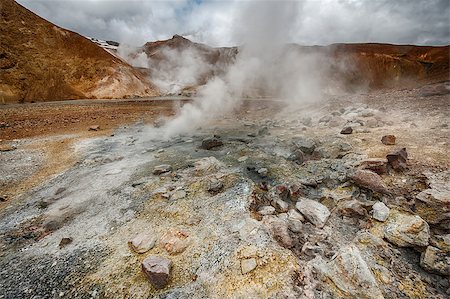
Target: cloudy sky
219,23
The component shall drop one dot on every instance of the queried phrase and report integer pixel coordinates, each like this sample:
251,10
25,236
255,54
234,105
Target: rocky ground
271,202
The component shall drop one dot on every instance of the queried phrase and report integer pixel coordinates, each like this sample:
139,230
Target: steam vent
224,149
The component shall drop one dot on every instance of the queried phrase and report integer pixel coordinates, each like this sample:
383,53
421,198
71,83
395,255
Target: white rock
243,159
248,265
142,243
314,211
380,211
407,230
266,210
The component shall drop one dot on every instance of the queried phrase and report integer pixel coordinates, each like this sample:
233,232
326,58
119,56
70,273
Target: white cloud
217,22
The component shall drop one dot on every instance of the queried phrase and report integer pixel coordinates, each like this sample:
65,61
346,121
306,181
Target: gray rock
263,172
215,186
157,270
279,230
248,265
210,143
314,211
160,169
347,130
435,260
306,145
380,211
294,215
281,205
142,243
407,230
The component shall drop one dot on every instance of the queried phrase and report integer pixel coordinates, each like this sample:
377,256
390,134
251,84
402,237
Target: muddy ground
98,190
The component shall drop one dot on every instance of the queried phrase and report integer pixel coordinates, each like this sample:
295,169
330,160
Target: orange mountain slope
40,61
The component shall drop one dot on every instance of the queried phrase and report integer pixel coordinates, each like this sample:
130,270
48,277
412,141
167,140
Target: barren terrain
227,216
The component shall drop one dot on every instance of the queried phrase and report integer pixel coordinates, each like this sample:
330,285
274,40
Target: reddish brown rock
174,241
398,159
157,270
369,180
377,165
388,139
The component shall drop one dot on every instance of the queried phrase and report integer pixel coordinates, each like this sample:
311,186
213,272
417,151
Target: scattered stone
263,172
294,215
6,148
380,211
281,206
352,208
314,211
157,270
347,130
350,274
407,230
266,210
94,128
174,241
279,230
435,260
3,198
163,168
369,180
297,156
377,165
211,142
215,186
388,140
242,159
248,265
142,243
305,145
398,159
65,241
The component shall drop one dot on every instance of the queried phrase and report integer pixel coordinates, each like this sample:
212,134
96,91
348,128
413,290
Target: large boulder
315,212
350,274
436,261
407,230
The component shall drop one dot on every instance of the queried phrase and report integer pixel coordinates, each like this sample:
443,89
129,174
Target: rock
336,121
174,241
350,274
142,243
294,215
388,139
160,169
266,210
297,156
433,204
94,128
442,242
263,172
295,221
242,159
369,180
3,198
65,241
325,119
157,270
248,265
210,143
281,206
377,165
435,260
305,145
407,230
352,208
347,130
6,148
398,159
215,186
314,211
279,230
380,211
